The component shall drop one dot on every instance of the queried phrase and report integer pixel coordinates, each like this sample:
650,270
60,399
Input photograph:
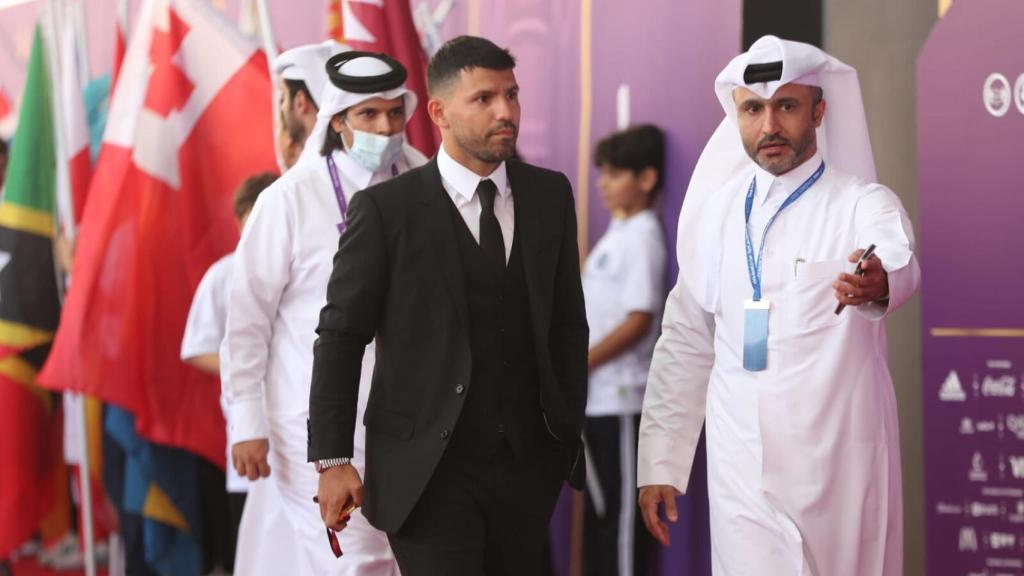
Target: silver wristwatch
323,465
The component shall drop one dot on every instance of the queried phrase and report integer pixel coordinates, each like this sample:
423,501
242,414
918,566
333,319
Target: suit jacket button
445,434
460,389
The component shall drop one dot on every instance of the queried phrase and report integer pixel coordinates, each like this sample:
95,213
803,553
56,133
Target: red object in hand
332,536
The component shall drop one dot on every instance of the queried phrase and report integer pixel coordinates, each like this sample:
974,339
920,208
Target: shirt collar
461,182
785,183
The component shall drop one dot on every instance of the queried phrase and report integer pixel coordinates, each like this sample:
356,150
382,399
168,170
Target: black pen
858,271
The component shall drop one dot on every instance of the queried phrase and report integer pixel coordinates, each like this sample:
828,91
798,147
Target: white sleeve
204,329
261,273
880,219
674,404
644,288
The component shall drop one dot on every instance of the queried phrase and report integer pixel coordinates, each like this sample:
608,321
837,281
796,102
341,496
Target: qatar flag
387,26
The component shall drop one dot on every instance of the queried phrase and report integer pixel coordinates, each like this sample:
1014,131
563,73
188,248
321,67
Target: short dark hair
245,196
634,149
296,86
463,53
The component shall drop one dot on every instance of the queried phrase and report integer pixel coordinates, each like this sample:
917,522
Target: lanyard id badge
755,335
332,168
755,310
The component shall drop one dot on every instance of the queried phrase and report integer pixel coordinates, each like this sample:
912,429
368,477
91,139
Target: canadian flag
188,122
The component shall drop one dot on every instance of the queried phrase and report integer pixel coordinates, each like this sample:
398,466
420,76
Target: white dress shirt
461,182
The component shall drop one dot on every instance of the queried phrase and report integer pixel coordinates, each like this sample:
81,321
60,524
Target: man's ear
338,123
302,104
436,111
819,113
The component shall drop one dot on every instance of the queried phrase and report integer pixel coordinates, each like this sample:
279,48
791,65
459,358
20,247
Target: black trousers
615,540
483,514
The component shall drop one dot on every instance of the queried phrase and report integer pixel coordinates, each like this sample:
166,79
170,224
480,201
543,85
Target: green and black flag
31,472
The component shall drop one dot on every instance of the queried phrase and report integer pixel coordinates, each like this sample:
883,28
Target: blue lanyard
754,266
336,181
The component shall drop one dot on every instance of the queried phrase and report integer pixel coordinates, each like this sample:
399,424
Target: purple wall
667,51
971,202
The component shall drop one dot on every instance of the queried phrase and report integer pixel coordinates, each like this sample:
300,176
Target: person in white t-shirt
624,287
204,332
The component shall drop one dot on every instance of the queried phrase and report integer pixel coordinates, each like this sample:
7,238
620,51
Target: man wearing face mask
282,266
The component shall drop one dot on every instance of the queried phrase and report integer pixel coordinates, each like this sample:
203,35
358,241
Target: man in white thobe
282,266
301,79
270,544
796,397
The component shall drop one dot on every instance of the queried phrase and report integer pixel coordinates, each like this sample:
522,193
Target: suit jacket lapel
528,230
437,219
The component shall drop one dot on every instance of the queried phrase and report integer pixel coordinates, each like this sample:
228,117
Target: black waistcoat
503,398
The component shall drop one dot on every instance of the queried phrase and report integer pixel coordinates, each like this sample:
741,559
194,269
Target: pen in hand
859,271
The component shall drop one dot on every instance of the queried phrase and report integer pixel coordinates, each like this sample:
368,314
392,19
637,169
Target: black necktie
490,231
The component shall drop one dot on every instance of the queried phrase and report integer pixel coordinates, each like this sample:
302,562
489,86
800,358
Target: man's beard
479,149
779,166
296,130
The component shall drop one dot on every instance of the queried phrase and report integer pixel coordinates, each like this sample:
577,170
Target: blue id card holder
755,335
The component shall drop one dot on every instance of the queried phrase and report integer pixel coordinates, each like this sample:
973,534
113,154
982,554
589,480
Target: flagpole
266,32
85,465
52,20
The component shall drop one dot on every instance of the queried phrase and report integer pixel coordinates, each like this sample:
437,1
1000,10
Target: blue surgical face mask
374,151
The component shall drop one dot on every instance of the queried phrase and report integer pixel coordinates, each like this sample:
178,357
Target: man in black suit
466,271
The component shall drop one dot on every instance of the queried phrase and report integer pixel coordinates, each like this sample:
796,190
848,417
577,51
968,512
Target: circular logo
996,94
1018,93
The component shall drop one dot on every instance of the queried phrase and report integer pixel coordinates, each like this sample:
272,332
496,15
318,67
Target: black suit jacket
398,278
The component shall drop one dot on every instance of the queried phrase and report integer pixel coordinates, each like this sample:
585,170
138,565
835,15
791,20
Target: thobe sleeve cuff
247,420
660,463
903,282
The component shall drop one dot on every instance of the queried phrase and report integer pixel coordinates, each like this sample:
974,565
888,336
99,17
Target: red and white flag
120,41
188,122
74,165
8,116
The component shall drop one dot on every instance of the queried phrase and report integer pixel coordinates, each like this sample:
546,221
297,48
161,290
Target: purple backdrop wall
668,53
970,137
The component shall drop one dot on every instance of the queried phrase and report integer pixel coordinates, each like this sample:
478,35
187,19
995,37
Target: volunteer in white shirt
624,288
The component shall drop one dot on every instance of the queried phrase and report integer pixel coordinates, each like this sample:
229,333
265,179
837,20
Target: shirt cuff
660,463
247,421
874,310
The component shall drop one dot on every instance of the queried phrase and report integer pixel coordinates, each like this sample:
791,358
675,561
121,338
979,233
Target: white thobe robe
803,458
283,262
